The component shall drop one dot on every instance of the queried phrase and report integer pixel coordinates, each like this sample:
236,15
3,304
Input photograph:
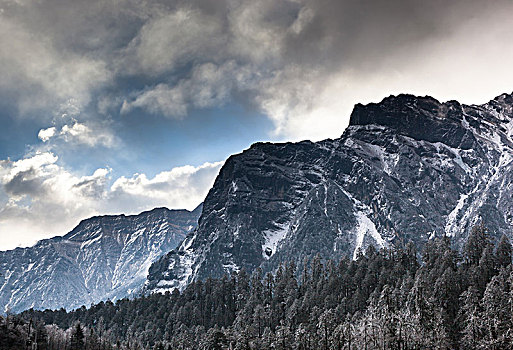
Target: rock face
406,169
103,258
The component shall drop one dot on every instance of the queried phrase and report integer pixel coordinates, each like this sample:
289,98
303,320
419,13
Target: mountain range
104,257
406,169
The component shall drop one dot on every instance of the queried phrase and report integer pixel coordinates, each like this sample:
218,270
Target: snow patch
325,199
29,267
457,157
230,267
165,283
273,238
234,187
450,228
91,241
188,242
364,227
186,261
135,235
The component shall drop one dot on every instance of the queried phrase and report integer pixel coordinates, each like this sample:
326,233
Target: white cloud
304,17
80,134
303,63
306,63
161,99
83,134
46,134
469,65
42,198
40,161
186,185
38,179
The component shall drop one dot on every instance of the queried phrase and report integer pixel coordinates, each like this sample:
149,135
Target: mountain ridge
103,257
406,169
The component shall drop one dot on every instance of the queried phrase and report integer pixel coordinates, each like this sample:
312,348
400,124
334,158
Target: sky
120,106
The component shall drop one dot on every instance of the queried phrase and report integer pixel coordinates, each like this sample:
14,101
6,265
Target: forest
440,298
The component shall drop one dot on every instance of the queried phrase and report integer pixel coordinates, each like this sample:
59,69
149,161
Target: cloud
208,86
83,134
161,99
181,37
42,198
27,176
46,134
80,134
93,186
36,74
39,160
187,185
302,63
305,63
40,180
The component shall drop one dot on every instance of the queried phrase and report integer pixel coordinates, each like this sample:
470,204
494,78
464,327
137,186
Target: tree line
382,300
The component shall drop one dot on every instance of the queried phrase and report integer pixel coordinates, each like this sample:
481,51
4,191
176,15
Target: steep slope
103,257
406,169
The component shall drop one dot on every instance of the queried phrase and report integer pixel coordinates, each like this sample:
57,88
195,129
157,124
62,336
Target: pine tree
469,315
496,316
77,338
503,252
158,346
215,340
326,324
486,269
476,243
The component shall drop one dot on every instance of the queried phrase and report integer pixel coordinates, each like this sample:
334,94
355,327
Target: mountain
104,257
406,169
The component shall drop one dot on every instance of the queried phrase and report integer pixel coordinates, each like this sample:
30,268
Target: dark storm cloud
272,53
360,33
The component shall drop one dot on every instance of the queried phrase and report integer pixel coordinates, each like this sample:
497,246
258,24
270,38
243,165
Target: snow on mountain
406,169
105,257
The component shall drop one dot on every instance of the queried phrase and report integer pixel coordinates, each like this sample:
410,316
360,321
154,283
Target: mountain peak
501,105
104,221
505,97
400,110
421,118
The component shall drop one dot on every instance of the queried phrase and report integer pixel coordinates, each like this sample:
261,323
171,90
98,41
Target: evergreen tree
477,241
77,338
470,318
496,317
503,252
215,340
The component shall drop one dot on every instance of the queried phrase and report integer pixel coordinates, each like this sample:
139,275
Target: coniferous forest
439,298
